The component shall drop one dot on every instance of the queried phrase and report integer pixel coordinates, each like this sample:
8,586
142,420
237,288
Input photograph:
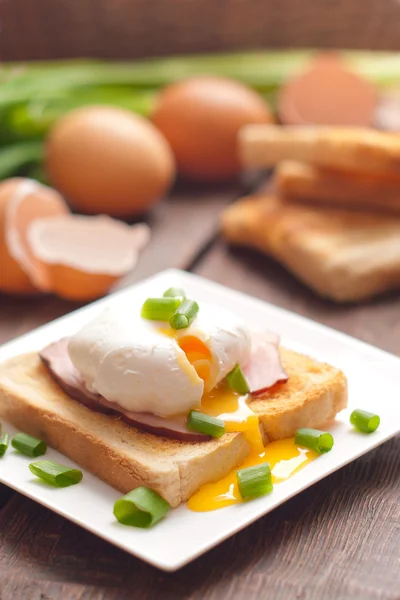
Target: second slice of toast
341,254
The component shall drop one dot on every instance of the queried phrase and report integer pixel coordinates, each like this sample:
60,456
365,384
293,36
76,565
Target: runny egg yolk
233,409
285,459
197,354
284,456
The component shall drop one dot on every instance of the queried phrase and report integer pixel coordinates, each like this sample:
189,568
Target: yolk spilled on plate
285,458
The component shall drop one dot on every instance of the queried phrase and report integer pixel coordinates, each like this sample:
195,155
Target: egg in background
201,117
109,160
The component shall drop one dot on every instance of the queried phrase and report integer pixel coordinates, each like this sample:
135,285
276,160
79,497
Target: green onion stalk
159,309
55,474
24,155
142,507
197,421
364,421
254,481
320,441
4,443
28,445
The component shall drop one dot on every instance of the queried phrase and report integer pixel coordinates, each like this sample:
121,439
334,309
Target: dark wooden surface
338,540
37,29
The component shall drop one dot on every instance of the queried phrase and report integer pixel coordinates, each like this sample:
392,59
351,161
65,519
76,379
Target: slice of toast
125,457
344,148
306,182
314,393
341,254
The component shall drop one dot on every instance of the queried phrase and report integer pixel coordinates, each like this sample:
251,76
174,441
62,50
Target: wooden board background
35,29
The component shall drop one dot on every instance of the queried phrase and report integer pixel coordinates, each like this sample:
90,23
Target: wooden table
338,540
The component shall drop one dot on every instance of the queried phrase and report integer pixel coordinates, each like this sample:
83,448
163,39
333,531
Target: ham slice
264,369
56,358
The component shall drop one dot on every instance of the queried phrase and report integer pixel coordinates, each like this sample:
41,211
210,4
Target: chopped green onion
317,440
55,474
202,423
364,421
159,309
175,292
254,481
184,315
142,507
26,444
4,442
237,381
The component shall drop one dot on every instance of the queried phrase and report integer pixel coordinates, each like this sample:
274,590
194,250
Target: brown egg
201,117
108,160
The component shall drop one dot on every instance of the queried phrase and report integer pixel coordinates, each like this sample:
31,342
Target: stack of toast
332,213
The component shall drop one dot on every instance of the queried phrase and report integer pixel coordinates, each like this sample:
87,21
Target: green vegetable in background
35,95
14,158
36,117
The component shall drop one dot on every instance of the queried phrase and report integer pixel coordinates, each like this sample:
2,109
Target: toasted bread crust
341,254
345,148
125,457
116,452
314,393
306,182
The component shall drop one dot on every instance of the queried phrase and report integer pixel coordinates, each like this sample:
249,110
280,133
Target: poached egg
146,366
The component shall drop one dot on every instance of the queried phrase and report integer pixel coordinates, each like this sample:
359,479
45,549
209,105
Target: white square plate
374,384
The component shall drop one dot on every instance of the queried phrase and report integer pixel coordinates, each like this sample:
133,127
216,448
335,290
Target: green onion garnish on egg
364,421
4,442
320,441
237,381
28,445
142,507
254,481
55,474
184,315
202,423
175,292
159,309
